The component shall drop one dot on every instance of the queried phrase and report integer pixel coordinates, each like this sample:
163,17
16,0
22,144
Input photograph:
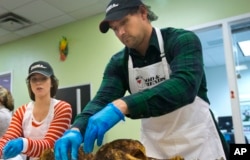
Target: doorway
228,73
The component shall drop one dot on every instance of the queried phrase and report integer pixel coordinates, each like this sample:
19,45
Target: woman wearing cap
36,126
163,71
6,108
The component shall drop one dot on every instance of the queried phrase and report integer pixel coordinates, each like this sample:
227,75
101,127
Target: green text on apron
188,131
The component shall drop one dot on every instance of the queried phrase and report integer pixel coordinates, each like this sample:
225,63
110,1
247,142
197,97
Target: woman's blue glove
13,148
100,123
70,141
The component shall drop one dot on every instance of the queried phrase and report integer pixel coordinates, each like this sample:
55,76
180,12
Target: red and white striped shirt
34,147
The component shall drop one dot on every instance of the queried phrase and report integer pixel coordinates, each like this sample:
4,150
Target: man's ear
143,11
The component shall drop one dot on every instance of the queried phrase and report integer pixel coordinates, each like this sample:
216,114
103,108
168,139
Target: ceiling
42,15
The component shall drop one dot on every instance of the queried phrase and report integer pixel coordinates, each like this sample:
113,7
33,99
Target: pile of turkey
121,149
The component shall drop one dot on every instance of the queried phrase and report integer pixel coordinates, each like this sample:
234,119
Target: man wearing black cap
163,71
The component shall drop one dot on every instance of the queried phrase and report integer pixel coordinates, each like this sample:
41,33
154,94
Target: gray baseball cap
41,67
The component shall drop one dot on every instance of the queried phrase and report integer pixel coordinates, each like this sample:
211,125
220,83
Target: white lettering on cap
111,7
37,66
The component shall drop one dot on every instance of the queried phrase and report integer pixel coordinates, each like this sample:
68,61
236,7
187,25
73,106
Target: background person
163,71
6,108
36,126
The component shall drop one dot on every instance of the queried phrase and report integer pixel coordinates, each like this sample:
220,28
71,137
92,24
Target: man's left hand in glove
99,124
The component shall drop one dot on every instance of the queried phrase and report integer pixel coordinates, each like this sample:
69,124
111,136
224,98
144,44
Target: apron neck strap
160,40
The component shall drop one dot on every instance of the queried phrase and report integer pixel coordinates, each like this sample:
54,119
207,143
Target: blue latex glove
13,148
100,123
70,141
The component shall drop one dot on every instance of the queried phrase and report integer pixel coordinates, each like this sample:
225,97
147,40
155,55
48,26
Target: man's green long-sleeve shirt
187,79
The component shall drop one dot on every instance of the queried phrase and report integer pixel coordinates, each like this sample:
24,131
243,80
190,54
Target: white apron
188,131
39,132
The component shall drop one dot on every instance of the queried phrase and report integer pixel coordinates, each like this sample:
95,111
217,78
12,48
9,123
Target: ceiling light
245,47
241,67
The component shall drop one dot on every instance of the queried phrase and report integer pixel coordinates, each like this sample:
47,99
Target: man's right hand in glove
70,141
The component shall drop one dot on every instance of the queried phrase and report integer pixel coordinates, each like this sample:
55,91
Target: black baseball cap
116,10
41,67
